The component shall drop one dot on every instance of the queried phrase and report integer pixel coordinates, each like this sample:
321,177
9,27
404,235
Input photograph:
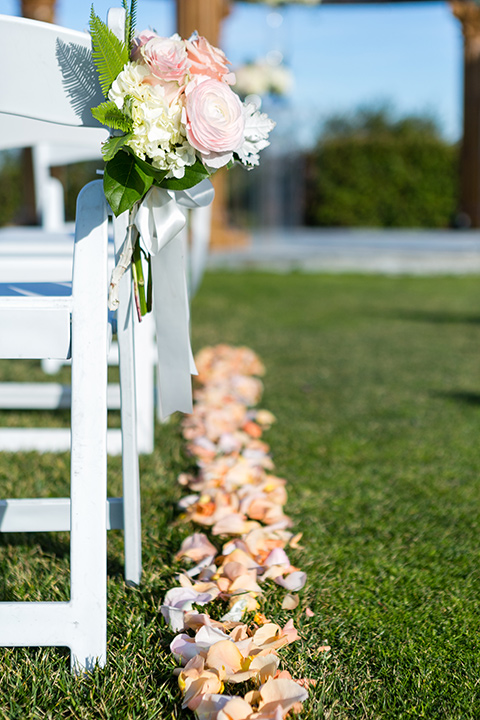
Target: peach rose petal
225,657
234,524
265,666
210,705
309,613
207,682
197,547
235,709
290,602
290,631
294,542
282,693
293,582
184,648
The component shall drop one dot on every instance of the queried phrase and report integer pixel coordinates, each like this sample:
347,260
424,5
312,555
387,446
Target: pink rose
215,120
167,58
205,59
140,41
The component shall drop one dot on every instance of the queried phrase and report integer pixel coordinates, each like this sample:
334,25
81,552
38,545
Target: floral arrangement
174,120
174,115
233,494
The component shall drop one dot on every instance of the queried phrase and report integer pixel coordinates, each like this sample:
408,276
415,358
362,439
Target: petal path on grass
234,493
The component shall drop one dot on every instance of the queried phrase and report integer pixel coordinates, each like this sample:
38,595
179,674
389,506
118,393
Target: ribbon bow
159,221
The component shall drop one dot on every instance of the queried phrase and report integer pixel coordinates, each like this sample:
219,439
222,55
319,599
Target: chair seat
35,320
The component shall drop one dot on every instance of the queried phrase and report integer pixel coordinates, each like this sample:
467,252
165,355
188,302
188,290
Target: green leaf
108,114
113,145
193,175
158,175
124,182
109,54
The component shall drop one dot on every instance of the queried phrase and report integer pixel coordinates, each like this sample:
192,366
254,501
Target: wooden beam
469,15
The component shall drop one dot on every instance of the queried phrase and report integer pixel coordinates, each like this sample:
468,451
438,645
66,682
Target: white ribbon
159,221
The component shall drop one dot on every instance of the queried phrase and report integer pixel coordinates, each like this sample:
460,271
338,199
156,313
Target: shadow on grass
461,396
439,317
49,543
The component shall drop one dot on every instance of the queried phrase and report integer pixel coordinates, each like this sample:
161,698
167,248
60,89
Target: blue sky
409,54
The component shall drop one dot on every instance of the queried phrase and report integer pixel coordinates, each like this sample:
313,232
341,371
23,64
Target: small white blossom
257,128
158,132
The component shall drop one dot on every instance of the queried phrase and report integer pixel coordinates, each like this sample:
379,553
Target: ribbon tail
171,312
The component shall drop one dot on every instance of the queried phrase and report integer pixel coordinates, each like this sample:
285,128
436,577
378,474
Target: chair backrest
45,100
52,76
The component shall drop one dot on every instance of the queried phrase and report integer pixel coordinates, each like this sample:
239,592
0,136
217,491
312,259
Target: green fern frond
130,20
133,19
109,54
108,114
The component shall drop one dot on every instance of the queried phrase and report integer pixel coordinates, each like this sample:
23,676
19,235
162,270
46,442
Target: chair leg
88,518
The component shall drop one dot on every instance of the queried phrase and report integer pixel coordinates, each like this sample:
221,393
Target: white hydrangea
257,128
158,133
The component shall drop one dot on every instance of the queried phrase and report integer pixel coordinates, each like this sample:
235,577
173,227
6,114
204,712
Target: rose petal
174,617
235,709
225,657
235,613
290,602
281,692
293,581
210,705
197,547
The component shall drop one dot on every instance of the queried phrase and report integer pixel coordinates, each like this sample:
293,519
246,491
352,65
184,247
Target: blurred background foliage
371,169
367,169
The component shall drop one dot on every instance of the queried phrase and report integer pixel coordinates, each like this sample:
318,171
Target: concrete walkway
391,252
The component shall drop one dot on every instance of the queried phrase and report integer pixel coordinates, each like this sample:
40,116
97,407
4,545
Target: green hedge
372,171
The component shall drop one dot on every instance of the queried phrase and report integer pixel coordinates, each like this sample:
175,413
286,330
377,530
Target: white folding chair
60,320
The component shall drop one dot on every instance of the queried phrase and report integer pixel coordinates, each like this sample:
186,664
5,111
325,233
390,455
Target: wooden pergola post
469,15
206,17
43,10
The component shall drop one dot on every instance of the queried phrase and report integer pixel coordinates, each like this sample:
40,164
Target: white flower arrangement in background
263,78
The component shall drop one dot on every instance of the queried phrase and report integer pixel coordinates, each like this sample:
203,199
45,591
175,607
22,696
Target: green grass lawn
375,383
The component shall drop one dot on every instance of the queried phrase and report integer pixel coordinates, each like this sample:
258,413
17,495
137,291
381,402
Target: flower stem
138,282
149,284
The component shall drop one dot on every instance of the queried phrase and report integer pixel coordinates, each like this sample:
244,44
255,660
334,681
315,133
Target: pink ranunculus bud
205,59
167,58
140,41
215,120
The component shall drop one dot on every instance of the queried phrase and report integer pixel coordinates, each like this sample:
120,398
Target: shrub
373,170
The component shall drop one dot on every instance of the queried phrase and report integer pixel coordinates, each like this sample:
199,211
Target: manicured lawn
375,383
